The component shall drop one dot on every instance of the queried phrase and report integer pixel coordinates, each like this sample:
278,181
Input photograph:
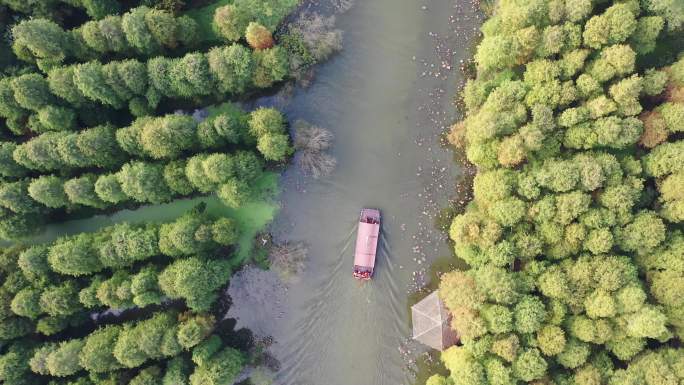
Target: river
387,97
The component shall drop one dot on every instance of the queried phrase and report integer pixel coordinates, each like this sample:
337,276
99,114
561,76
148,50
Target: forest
108,105
573,239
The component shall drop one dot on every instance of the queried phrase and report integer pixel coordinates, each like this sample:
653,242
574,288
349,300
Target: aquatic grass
252,217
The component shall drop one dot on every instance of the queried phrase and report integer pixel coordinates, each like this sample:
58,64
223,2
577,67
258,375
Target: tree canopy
574,231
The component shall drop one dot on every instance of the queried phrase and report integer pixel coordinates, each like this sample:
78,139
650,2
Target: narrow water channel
386,97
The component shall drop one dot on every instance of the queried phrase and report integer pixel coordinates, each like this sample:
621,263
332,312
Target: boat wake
340,313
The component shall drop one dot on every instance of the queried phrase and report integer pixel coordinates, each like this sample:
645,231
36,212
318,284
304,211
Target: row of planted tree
177,158
573,238
64,150
48,289
91,120
39,104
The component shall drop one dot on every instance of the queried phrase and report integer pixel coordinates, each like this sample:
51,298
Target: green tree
60,300
31,91
97,354
169,136
196,175
644,37
234,192
138,33
88,295
190,234
551,340
92,82
81,191
645,233
62,83
26,303
38,362
144,340
54,118
274,146
8,166
222,368
13,364
671,11
34,265
497,52
232,66
614,26
144,182
15,327
194,330
664,159
128,244
147,376
219,168
195,280
176,179
49,191
177,371
15,196
115,292
98,9
108,189
145,287
672,114
63,361
271,66
529,314
202,353
529,365
74,255
263,121
42,38
231,20
225,231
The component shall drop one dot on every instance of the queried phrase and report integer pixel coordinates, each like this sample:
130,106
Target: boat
366,244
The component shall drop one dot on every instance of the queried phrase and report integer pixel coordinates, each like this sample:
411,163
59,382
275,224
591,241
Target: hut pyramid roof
431,323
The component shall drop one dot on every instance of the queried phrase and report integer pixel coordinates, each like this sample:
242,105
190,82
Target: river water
387,97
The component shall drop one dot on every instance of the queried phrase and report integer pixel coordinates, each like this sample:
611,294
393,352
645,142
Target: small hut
431,323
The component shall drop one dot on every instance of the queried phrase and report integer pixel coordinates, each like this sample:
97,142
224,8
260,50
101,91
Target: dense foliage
238,19
574,237
92,101
166,167
141,30
49,103
48,288
78,123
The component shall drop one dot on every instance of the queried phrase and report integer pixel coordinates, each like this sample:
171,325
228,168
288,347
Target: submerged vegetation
312,143
573,238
